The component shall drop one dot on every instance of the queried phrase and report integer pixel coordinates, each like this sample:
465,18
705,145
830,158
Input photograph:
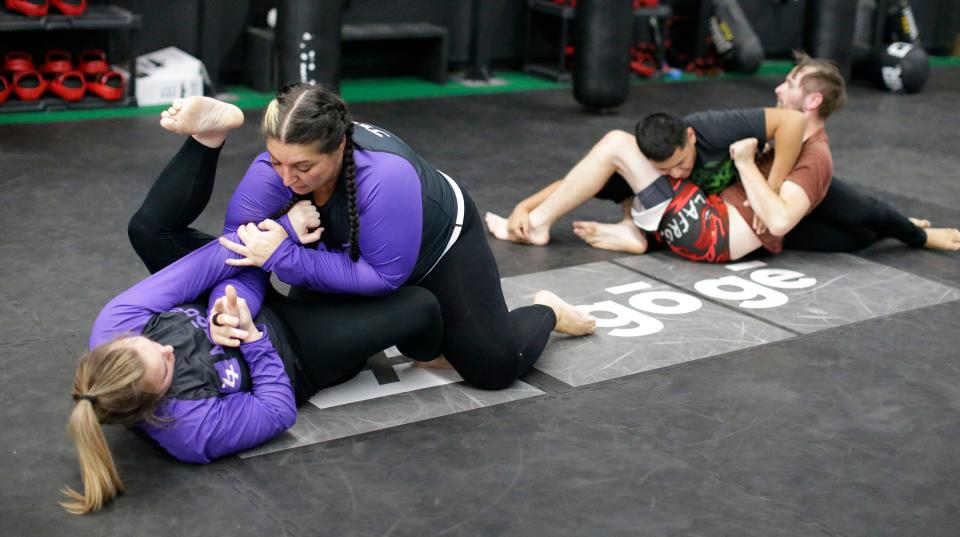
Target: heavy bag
603,34
738,46
901,67
307,41
829,32
863,31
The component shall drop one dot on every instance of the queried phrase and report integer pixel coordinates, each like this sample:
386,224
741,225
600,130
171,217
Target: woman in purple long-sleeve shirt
389,219
152,365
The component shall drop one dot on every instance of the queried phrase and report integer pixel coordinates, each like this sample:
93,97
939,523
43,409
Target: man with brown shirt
682,208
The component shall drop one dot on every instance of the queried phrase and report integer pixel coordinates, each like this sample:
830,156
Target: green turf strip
391,89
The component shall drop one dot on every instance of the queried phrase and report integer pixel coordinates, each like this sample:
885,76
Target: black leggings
331,336
488,345
846,221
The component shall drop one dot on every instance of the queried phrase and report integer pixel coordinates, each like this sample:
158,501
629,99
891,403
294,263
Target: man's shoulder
817,146
723,116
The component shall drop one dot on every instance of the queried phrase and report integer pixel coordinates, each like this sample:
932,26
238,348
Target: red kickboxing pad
70,7
4,89
69,86
30,8
56,62
109,86
17,61
92,62
29,85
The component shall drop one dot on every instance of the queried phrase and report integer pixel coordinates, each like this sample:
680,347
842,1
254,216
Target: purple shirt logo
197,320
229,371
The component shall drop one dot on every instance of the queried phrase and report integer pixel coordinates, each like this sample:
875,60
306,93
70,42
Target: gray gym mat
707,310
642,323
388,393
803,292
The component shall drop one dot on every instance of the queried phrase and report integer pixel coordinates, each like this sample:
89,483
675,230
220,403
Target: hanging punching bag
307,41
829,31
863,31
603,31
737,44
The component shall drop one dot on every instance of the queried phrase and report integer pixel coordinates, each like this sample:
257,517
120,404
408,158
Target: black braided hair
308,114
350,176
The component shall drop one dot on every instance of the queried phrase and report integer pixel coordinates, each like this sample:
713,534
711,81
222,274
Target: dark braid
289,205
350,176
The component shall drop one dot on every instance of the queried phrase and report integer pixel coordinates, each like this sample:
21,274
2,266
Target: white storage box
167,74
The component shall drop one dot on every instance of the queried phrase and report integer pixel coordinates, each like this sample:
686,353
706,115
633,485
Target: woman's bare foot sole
207,120
619,237
440,362
943,238
570,319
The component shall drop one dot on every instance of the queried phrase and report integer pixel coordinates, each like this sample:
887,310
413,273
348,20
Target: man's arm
785,128
779,211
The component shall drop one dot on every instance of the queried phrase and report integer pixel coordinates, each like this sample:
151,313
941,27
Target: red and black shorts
695,225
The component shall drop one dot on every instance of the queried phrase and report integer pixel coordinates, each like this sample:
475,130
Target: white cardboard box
167,74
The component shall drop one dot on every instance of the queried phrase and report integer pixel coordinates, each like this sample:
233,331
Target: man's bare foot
920,222
943,238
440,362
570,319
497,226
623,236
539,234
207,120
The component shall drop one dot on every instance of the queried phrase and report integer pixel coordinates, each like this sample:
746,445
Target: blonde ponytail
101,481
106,388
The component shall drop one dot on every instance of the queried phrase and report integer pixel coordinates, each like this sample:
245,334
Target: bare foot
920,222
207,120
570,319
539,234
620,237
943,238
497,226
440,362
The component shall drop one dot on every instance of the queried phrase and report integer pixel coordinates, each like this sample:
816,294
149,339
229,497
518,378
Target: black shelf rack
96,18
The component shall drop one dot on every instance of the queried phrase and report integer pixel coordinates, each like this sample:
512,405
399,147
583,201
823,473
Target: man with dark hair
815,89
689,164
659,135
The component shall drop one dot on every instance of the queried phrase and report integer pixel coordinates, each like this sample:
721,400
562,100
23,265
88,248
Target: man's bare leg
624,236
617,151
570,320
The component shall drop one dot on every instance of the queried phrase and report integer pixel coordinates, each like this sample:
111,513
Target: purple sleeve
258,197
391,219
254,200
182,281
206,429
